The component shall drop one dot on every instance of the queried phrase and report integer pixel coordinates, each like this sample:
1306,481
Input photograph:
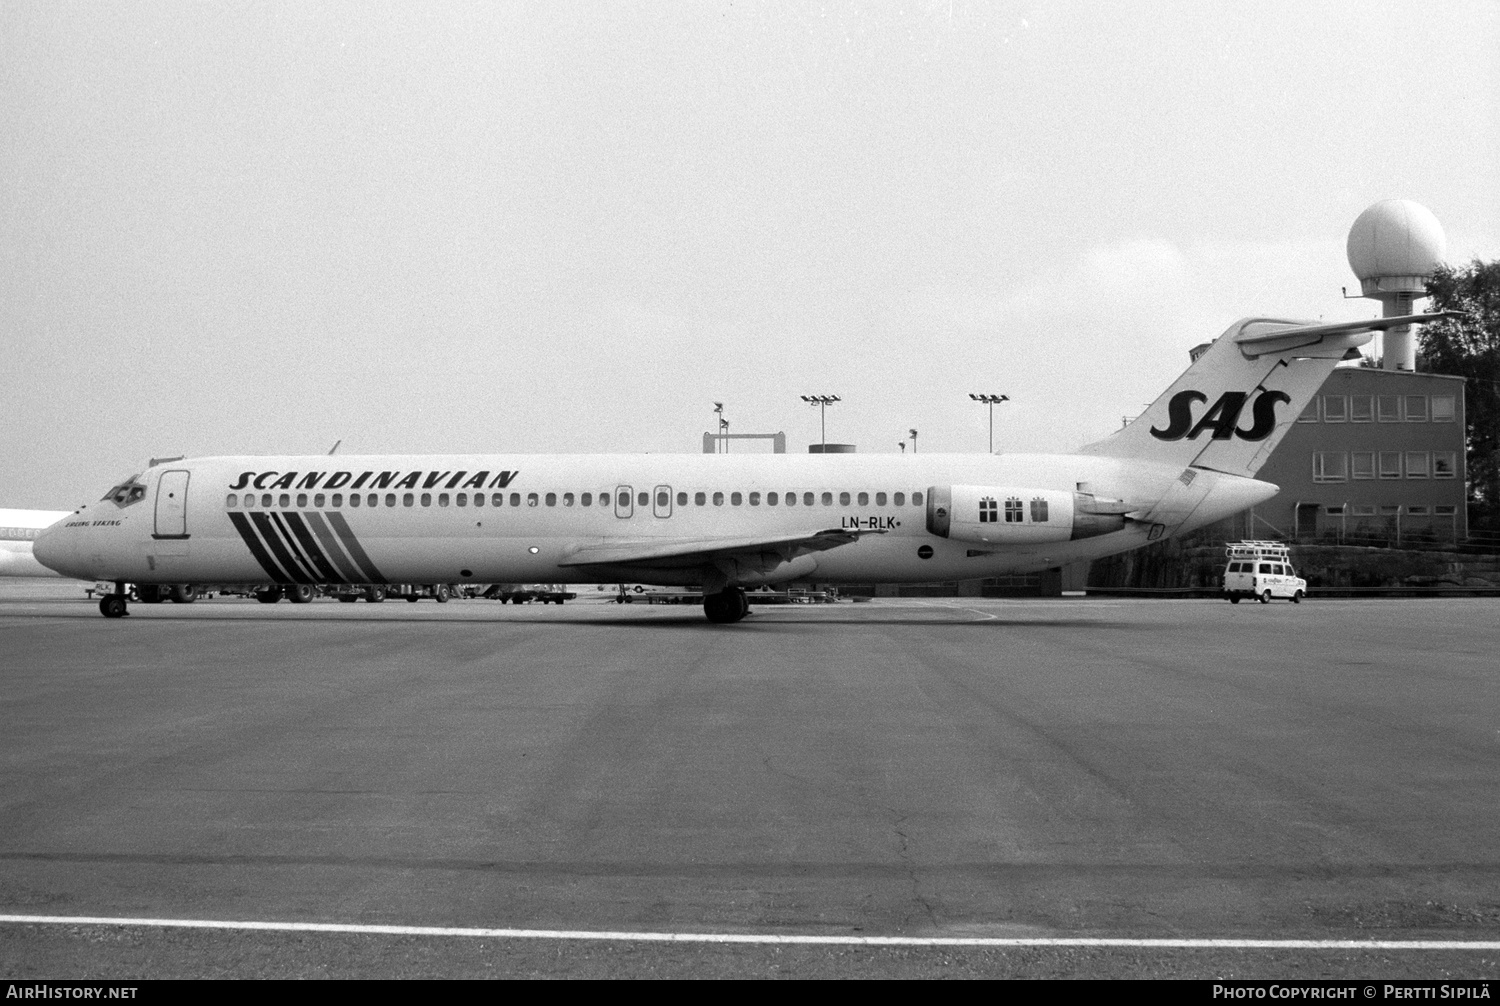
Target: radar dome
1394,246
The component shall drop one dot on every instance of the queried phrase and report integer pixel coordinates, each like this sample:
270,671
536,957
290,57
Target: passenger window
552,499
827,499
864,499
232,500
354,499
318,500
642,499
462,499
735,499
427,499
408,500
699,499
338,499
443,499
498,499
285,501
302,499
989,511
587,499
807,499
532,499
663,499
899,499
515,499
718,499
916,499
771,499
880,499
682,499
374,500
843,499
791,499
567,499
755,499
249,500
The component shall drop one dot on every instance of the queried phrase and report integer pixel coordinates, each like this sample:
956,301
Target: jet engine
1011,516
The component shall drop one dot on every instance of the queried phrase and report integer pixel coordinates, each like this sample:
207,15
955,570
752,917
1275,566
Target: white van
1262,570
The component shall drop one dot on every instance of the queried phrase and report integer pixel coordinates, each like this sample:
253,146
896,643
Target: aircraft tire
269,595
184,593
113,606
148,593
302,593
1234,599
725,607
374,595
440,593
413,598
1265,598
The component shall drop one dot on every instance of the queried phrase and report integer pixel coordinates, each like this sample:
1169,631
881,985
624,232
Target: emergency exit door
171,505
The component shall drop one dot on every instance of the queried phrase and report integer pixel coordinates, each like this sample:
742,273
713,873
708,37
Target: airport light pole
991,401
822,402
913,441
722,445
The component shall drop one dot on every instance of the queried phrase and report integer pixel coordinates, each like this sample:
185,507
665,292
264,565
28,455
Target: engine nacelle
1009,516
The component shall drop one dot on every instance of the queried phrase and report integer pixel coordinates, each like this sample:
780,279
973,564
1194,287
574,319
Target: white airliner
18,532
721,522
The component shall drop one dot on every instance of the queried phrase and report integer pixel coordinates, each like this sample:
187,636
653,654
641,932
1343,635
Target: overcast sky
260,228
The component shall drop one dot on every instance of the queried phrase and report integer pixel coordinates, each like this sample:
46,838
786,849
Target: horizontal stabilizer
1254,341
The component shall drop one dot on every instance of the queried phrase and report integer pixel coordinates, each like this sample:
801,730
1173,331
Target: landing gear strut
728,605
113,605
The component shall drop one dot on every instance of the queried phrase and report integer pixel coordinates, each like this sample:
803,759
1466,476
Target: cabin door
171,505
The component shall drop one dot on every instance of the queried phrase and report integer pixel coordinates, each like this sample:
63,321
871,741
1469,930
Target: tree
1470,348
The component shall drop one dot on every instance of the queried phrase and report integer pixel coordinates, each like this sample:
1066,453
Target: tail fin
1230,409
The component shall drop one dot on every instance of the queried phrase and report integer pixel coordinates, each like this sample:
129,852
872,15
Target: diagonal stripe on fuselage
252,542
311,547
346,535
278,548
332,548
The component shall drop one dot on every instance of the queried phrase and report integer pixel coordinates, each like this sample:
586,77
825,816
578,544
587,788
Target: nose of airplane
54,549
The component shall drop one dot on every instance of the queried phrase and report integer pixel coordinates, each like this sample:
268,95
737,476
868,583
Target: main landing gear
728,605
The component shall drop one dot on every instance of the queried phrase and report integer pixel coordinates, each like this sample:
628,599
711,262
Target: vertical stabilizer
1230,409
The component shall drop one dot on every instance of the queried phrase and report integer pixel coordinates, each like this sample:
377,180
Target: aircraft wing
677,553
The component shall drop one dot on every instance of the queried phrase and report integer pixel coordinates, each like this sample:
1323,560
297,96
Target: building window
1361,408
1363,509
988,511
1334,511
1416,408
1013,511
1443,410
1444,465
1309,414
1445,511
1330,466
1417,465
1417,511
1390,464
1362,464
1039,510
1388,408
1335,409
1389,511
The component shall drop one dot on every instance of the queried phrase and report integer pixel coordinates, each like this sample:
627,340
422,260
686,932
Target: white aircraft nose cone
55,550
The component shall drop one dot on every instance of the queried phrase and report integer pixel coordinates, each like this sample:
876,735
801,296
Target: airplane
18,531
720,522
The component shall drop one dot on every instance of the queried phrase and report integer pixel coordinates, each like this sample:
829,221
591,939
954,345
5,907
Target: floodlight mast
913,440
822,402
723,444
991,401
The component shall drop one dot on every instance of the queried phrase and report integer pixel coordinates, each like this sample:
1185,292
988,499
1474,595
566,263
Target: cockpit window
125,493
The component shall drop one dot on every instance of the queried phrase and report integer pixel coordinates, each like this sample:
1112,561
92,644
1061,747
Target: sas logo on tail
1222,420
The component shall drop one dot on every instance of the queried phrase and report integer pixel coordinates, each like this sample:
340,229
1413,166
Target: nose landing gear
728,605
113,605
